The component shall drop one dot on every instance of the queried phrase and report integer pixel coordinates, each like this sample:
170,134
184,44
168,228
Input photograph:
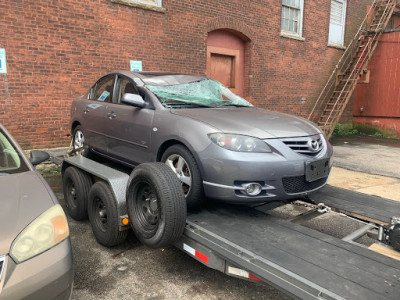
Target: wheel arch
73,126
166,144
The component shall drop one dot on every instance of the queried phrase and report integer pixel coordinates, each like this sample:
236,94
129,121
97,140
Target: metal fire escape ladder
352,65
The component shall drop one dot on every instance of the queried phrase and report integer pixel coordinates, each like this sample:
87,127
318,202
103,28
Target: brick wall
57,49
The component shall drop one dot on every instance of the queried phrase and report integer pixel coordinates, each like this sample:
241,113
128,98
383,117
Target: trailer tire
156,205
103,215
76,185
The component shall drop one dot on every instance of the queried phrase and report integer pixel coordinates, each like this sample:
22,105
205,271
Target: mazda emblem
314,145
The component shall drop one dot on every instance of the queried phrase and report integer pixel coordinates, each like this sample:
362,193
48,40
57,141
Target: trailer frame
251,244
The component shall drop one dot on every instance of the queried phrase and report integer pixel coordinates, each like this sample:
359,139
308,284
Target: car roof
161,78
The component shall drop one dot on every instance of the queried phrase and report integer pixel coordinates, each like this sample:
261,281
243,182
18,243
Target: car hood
23,198
251,121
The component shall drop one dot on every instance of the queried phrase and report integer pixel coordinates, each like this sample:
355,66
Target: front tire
181,161
156,205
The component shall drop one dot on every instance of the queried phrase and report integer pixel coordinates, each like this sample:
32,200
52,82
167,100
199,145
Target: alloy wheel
181,168
79,139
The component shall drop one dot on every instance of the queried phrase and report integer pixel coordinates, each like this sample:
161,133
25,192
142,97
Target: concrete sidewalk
368,165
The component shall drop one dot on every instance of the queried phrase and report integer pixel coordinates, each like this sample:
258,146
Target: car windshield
203,93
10,159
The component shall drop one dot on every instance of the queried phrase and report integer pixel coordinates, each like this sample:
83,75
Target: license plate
317,169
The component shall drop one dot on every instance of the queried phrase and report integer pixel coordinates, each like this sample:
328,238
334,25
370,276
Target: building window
146,4
337,23
292,17
149,2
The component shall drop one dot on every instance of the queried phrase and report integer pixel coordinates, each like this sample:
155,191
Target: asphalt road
367,154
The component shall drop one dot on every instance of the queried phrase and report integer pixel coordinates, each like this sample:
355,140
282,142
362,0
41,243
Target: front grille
304,145
298,184
2,259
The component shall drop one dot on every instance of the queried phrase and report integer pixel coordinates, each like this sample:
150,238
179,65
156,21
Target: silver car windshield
203,93
10,159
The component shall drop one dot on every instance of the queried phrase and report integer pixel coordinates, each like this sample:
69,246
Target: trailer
255,243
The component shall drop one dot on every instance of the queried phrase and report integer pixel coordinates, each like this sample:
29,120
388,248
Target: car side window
103,89
125,86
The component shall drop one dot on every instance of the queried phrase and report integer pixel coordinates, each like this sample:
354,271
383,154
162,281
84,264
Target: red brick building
278,54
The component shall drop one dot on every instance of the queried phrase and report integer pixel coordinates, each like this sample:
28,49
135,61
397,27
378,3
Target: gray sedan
219,145
35,250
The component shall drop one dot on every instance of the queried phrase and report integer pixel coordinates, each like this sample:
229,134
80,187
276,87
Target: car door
128,128
95,115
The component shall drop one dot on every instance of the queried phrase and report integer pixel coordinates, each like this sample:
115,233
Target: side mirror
38,156
134,100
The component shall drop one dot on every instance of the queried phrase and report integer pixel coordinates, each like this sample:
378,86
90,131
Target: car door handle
86,110
111,115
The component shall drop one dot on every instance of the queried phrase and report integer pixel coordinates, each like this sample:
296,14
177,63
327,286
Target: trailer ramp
302,262
366,207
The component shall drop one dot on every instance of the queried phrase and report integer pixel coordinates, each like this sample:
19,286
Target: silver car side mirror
133,99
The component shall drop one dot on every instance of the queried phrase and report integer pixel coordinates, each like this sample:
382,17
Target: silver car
219,145
35,249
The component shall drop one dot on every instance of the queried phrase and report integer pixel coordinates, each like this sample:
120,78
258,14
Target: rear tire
156,205
103,216
79,145
183,164
76,185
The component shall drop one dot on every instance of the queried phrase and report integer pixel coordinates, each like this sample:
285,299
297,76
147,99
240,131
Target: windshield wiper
231,104
182,104
198,105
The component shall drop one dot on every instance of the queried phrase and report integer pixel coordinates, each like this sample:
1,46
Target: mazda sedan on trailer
219,145
35,249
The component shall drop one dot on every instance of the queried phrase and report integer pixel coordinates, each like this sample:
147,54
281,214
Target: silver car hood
23,197
251,121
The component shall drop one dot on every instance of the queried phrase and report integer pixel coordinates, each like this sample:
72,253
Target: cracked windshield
203,93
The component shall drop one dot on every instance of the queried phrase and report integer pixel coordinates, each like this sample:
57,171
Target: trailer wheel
156,204
103,216
76,185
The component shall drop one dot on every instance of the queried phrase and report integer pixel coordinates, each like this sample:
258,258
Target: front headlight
240,143
46,231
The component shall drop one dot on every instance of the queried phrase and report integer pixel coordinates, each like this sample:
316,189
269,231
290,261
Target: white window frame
299,32
330,43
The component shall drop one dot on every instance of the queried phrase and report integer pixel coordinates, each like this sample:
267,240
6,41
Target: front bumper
280,173
46,276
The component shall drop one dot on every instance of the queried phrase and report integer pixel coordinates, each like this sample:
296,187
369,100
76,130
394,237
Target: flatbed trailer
251,243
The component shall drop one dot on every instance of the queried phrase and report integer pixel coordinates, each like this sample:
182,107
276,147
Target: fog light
252,189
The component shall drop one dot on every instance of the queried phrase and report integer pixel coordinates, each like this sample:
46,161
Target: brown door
222,67
225,60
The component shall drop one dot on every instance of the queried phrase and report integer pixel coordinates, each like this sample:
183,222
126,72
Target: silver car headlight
240,143
46,231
